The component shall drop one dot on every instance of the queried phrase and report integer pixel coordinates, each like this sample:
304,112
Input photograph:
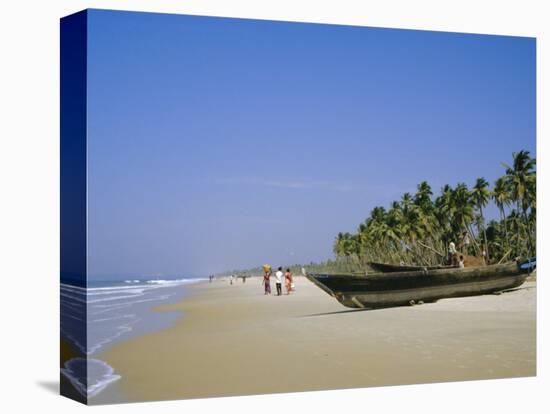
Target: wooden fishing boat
378,290
391,268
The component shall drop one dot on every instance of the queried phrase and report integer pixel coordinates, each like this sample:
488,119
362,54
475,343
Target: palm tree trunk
484,234
431,248
474,241
503,215
528,227
518,236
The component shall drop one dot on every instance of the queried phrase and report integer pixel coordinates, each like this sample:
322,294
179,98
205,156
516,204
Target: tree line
418,228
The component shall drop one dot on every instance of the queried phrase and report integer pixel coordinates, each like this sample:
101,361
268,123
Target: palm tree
531,204
463,211
517,227
482,195
337,246
521,180
378,213
443,214
423,197
501,196
495,239
417,228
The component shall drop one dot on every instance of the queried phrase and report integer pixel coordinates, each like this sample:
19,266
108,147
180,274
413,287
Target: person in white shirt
466,242
452,248
452,258
279,281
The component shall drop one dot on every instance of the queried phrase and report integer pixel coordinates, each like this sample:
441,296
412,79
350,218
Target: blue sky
224,143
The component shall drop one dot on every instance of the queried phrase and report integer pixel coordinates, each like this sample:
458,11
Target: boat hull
401,288
391,268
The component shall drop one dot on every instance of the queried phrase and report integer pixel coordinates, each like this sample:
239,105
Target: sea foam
113,312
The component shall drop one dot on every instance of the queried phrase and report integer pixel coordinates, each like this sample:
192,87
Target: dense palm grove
419,228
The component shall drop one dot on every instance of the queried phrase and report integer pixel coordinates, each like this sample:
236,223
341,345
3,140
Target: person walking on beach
279,281
231,279
267,282
288,281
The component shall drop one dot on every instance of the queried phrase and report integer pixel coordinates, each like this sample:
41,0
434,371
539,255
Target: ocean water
104,313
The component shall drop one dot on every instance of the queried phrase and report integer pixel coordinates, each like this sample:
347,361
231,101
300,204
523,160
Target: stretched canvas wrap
253,207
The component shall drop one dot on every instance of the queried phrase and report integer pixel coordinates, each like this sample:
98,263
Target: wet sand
233,340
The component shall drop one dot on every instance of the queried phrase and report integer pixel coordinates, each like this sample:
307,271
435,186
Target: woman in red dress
288,281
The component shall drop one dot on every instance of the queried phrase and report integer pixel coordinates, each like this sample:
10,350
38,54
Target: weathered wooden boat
391,268
378,290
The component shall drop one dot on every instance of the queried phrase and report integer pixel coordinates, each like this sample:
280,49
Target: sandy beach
233,340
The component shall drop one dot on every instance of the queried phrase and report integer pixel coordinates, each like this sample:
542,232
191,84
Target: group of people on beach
279,275
453,258
233,278
456,258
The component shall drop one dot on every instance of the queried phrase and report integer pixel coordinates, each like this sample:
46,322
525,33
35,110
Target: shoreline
143,320
233,340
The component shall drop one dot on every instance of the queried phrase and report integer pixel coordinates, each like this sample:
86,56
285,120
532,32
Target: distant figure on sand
288,281
279,281
461,262
231,279
267,282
